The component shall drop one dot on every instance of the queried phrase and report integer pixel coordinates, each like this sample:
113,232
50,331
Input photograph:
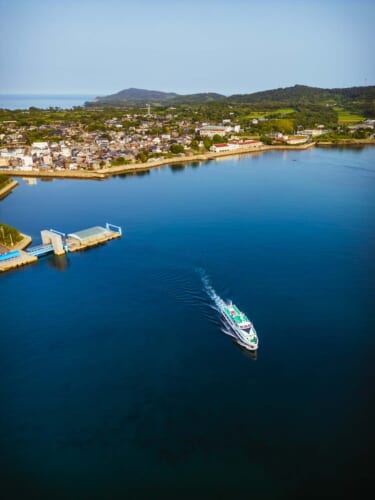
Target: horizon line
103,94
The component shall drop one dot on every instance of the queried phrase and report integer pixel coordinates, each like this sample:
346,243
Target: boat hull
239,336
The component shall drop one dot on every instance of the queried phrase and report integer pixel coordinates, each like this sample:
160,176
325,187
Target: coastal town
142,137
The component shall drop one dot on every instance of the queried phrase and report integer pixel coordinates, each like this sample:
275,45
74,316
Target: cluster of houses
130,138
76,148
73,147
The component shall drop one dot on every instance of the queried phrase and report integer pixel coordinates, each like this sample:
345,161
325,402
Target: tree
194,145
118,162
266,140
218,139
207,143
176,148
142,156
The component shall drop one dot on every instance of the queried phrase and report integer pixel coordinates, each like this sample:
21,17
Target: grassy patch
4,180
285,111
345,117
9,234
265,114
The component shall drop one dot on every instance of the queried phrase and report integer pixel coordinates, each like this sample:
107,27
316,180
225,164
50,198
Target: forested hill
359,99
136,96
304,93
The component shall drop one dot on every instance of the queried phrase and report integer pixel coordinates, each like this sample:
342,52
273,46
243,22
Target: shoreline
108,172
133,168
347,142
25,242
8,188
23,259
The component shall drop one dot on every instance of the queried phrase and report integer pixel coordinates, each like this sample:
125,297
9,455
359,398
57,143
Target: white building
250,144
39,148
66,151
39,145
222,148
312,132
233,145
211,130
26,162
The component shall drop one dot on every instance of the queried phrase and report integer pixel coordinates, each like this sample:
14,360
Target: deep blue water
45,101
116,378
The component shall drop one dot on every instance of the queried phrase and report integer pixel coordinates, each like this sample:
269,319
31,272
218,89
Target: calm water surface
116,378
45,101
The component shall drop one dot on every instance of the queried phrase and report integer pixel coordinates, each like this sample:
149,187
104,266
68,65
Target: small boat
244,330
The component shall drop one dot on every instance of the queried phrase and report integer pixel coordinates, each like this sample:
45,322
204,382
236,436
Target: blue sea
117,378
43,101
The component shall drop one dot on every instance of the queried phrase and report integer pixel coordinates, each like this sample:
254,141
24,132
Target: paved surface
19,261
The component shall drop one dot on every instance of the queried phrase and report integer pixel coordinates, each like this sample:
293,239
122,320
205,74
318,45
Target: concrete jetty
51,238
91,237
15,258
58,243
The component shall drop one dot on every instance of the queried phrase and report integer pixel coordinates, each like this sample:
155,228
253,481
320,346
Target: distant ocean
44,101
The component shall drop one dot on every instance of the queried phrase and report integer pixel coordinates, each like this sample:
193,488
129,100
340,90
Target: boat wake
217,302
216,299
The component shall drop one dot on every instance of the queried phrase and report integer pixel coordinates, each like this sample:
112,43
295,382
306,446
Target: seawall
4,191
136,167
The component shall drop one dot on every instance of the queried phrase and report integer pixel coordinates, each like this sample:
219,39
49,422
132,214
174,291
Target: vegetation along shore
6,185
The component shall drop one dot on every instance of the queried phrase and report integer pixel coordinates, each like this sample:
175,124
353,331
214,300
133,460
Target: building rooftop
92,233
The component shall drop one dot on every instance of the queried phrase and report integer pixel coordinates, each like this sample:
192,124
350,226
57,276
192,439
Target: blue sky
100,47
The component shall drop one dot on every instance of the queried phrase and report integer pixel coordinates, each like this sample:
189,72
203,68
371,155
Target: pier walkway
40,250
59,243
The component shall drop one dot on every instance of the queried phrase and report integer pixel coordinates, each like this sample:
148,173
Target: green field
279,111
345,117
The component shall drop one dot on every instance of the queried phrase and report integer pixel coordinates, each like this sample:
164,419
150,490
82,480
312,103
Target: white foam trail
218,301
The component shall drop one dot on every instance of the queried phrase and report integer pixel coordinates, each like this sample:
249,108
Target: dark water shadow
253,355
58,262
177,167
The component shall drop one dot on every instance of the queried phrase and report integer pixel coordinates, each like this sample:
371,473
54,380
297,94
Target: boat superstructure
241,326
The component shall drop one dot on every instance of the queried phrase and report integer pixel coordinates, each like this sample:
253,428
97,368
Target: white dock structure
50,237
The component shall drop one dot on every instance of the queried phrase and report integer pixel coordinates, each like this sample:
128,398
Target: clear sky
237,46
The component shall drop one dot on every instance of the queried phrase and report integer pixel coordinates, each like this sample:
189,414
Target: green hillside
352,102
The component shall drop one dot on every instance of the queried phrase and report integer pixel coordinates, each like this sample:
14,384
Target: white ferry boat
241,326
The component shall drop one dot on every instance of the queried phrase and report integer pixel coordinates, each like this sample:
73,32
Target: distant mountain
298,94
134,96
305,94
137,95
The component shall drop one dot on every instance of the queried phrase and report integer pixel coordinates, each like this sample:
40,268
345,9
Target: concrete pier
54,239
21,259
91,237
57,242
